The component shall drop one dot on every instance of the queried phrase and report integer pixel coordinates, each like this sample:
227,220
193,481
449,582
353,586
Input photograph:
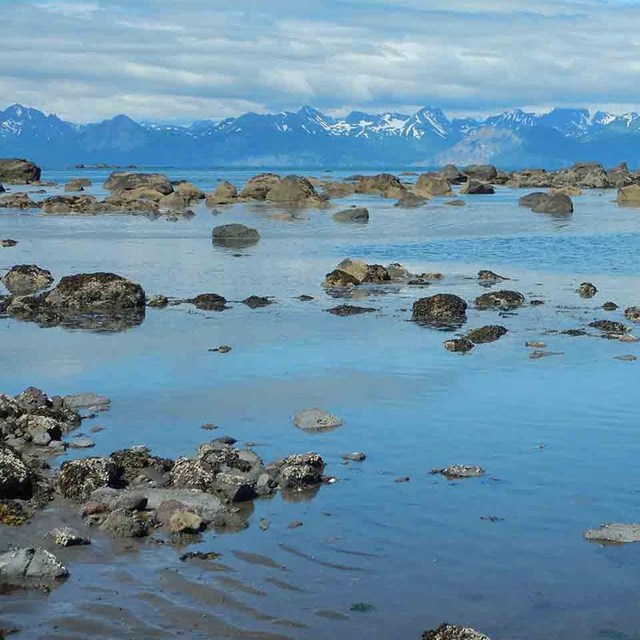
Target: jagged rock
138,467
442,309
26,278
475,187
459,471
67,537
209,302
459,345
16,478
40,430
608,326
432,184
355,214
120,182
158,301
126,524
18,201
294,191
18,171
502,299
453,632
587,290
31,563
619,176
225,193
453,174
615,533
384,184
316,420
298,472
235,235
487,334
345,310
259,186
78,479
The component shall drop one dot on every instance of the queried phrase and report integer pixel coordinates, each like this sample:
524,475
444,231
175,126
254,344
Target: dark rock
18,171
235,235
16,478
475,187
459,345
345,310
26,278
609,306
633,314
587,290
376,274
489,276
557,203
502,299
158,301
256,302
355,214
453,174
120,182
487,334
574,333
137,466
533,199
209,302
459,471
8,243
354,457
453,632
126,524
442,309
608,326
339,278
78,479
298,472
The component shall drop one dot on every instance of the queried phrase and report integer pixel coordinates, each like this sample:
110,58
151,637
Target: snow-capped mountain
310,138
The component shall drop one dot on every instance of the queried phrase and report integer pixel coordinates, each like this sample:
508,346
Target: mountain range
308,138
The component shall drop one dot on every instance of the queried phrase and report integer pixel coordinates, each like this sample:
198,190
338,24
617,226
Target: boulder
210,302
67,205
459,345
16,478
484,275
67,537
410,200
78,479
234,235
257,302
31,563
339,278
500,299
185,522
18,201
345,310
355,214
629,195
338,189
316,420
126,524
619,176
587,290
259,186
355,272
173,202
453,174
432,184
453,632
18,171
385,184
489,333
633,314
225,193
294,191
533,199
119,182
24,279
557,203
77,184
189,191
475,187
442,309
138,467
298,472
481,172
609,326
8,242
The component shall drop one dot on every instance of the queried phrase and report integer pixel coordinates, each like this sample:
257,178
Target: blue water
419,552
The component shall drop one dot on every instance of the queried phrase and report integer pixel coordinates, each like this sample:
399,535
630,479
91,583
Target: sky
184,60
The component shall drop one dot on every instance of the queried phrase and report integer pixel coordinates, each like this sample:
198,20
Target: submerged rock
459,345
355,214
345,310
410,200
459,471
316,420
257,302
502,299
209,302
26,278
441,309
453,632
489,333
235,235
614,533
587,290
633,314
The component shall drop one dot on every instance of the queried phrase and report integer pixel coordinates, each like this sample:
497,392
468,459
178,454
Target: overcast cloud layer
190,59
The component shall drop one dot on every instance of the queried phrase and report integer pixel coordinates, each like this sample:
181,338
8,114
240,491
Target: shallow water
419,551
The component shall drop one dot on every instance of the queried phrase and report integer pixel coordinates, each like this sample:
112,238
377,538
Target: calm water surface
419,552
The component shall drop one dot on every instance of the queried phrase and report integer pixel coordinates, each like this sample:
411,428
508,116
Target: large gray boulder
557,203
18,171
24,279
31,563
316,420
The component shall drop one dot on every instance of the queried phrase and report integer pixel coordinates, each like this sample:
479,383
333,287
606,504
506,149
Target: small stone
264,524
67,537
536,355
96,428
222,349
296,524
402,479
354,457
305,298
627,358
256,302
8,243
345,310
609,306
209,426
534,344
459,345
587,290
81,442
456,471
158,301
199,555
316,420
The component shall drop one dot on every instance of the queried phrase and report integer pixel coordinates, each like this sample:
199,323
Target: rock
199,555
609,306
131,502
615,533
502,299
31,563
608,326
67,537
209,302
587,290
316,420
568,191
66,205
384,184
533,199
633,314
77,184
40,430
627,358
459,471
397,271
78,479
298,472
489,333
339,278
557,203
7,243
16,478
225,193
475,187
456,202
221,349
257,302
173,202
432,184
296,524
354,457
138,467
26,278
537,355
81,442
18,171
453,632
294,191
629,195
189,191
355,214
88,400
235,235
120,182
264,524
355,268
186,522
158,301
18,201
489,276
345,310
410,200
259,186
338,189
442,309
483,172
459,345
619,176
126,524
535,344
453,174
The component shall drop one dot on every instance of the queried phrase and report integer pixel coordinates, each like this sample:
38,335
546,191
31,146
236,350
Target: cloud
161,59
